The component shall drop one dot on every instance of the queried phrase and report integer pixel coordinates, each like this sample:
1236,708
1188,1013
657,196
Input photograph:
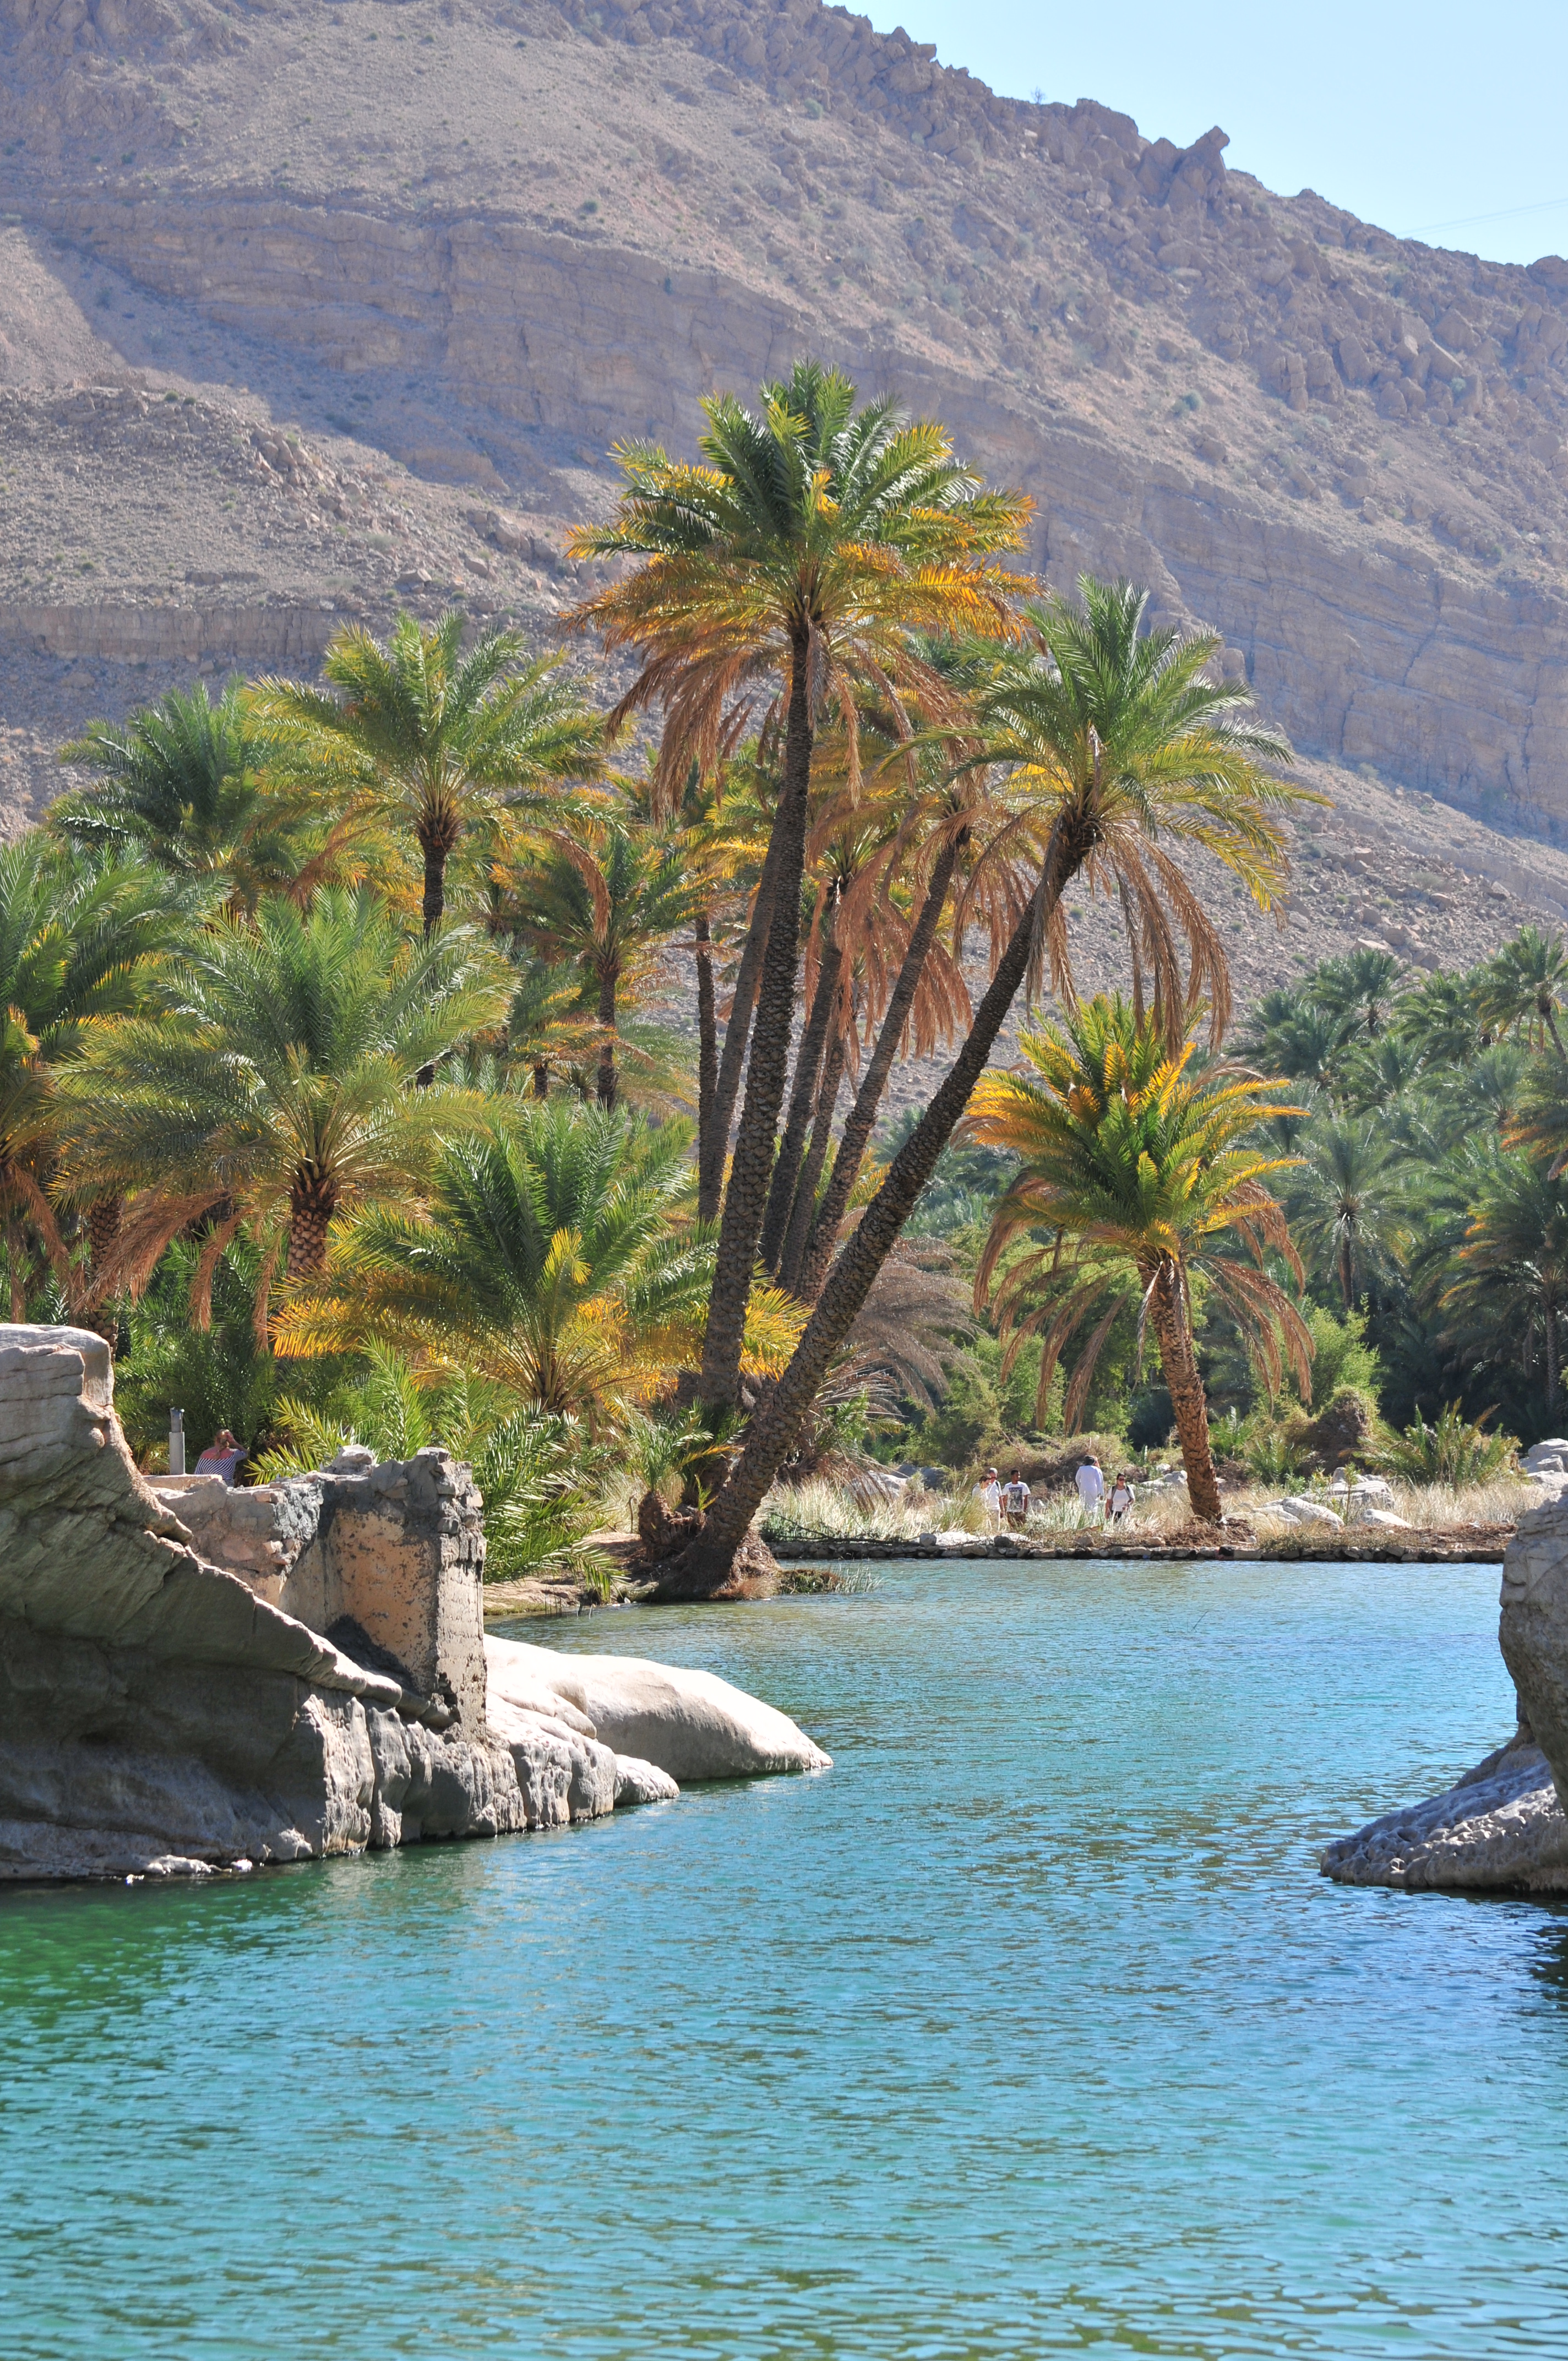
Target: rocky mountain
309,308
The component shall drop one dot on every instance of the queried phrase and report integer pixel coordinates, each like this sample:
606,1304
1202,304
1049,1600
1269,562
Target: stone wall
399,1550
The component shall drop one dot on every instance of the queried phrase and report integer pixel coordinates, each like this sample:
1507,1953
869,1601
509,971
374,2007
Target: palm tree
1137,1168
1127,745
1360,991
606,893
79,941
1512,1288
814,541
272,1092
186,783
1439,1019
1524,988
1347,1204
443,745
553,1258
959,827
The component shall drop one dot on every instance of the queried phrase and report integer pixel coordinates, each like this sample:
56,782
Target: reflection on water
1029,2029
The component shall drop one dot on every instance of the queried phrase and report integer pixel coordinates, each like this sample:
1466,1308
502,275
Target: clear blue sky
1410,112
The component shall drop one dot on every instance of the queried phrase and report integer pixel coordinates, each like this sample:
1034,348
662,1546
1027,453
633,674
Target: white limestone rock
641,1782
691,1725
1299,1510
1500,1826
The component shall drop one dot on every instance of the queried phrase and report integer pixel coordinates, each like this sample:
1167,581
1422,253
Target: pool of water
1028,2029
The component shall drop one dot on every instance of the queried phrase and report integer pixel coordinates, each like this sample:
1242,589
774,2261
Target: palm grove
334,1088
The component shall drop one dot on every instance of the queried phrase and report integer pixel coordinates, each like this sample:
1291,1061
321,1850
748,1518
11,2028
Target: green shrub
1273,1454
1340,1355
1454,1450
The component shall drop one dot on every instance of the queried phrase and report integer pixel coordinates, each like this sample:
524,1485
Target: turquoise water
1027,2029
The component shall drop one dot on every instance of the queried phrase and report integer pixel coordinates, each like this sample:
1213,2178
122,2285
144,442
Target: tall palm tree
444,744
606,893
553,1257
79,941
1127,746
1137,1167
962,832
1524,988
187,785
1348,1203
274,1091
804,552
1511,1290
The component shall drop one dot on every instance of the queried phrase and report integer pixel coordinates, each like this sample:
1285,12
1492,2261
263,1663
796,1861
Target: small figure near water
989,1495
1091,1486
1016,1499
1122,1498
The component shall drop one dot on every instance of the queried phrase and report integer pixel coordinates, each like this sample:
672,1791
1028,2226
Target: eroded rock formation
1502,1827
193,1678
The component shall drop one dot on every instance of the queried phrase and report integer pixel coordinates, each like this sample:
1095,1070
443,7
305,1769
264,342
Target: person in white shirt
1016,1499
1090,1486
989,1495
1122,1499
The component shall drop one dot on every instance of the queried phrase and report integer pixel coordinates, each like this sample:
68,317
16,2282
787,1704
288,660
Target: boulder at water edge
691,1724
1501,1826
298,1670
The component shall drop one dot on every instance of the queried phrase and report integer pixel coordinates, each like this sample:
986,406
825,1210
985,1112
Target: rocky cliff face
407,270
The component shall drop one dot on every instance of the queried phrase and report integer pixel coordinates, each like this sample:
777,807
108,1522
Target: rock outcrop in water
1502,1827
193,1678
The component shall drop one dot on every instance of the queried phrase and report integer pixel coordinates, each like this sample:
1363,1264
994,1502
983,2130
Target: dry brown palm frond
912,1325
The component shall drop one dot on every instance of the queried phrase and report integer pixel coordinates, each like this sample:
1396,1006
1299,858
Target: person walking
1016,1499
989,1495
1091,1486
1122,1498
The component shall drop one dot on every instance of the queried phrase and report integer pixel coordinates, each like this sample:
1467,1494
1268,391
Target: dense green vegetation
349,1079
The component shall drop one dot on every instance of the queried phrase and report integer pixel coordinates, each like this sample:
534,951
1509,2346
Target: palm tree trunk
1346,1273
799,1231
710,1167
707,1040
435,834
17,1272
609,978
435,850
313,1201
102,1229
1173,1332
1552,1366
705,1565
745,1200
863,1116
542,1081
803,1094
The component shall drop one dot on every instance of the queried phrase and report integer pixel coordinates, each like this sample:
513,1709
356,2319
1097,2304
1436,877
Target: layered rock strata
194,1679
480,240
1502,1827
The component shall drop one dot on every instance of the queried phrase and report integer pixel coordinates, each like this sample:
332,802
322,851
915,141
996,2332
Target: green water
1027,2029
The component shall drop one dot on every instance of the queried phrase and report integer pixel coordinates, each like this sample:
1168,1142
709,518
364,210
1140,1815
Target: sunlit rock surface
310,1680
1502,1826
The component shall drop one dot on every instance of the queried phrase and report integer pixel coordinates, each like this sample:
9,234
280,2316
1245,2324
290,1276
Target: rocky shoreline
1501,1826
1451,1545
196,1679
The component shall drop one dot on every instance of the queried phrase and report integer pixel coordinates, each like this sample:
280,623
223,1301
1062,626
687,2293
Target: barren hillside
307,309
